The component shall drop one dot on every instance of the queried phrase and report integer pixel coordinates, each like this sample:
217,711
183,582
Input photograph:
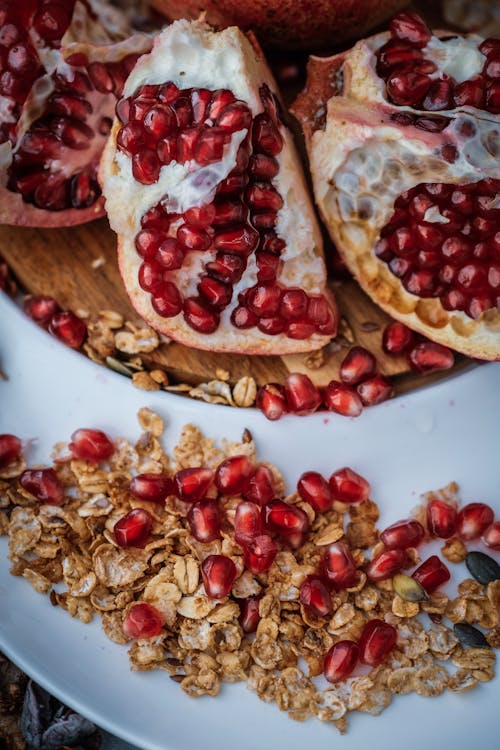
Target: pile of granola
69,552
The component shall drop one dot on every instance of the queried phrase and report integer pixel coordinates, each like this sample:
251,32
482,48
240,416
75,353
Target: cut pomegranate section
238,251
406,175
340,660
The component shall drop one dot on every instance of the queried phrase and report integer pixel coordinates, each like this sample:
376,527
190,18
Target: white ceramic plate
444,432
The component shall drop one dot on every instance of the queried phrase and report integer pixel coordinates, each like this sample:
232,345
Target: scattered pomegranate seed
491,536
338,566
288,521
302,396
374,390
348,487
357,365
142,621
259,555
91,445
233,474
192,484
154,488
473,519
403,534
386,564
10,449
133,529
377,640
204,518
250,617
315,596
68,328
271,400
41,309
340,660
314,489
44,484
342,399
428,356
218,573
441,519
431,574
261,486
247,522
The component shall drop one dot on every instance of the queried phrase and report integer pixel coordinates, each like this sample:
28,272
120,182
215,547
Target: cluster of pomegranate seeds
142,621
162,125
376,641
91,445
444,241
423,356
64,325
412,78
10,449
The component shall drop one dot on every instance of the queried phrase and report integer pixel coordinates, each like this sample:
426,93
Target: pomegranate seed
264,300
241,317
151,276
395,54
491,536
315,596
166,150
229,212
199,317
262,195
200,102
200,216
302,396
349,487
247,522
142,621
218,573
235,116
314,489
192,484
41,309
204,518
193,238
377,640
241,240
133,529
469,93
431,574
220,100
44,484
146,166
68,328
266,136
386,564
271,400
357,365
338,567
226,267
473,519
288,521
10,449
410,28
342,399
294,303
261,486
263,167
407,88
403,534
159,122
374,390
153,488
122,110
167,302
147,242
170,254
233,474
272,326
91,445
441,519
156,218
259,554
209,146
340,660
428,356
300,330
397,338
250,617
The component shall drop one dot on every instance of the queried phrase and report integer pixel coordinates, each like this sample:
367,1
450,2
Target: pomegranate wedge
219,248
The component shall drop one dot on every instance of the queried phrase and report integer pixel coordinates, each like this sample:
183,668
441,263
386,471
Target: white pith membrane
363,159
191,55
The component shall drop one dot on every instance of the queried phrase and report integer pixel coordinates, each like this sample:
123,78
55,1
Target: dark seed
469,636
482,567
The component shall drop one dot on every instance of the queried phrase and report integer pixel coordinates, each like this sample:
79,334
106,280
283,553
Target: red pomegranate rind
62,71
410,191
218,244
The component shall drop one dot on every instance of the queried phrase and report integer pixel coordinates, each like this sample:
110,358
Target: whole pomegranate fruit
403,135
62,65
289,24
217,240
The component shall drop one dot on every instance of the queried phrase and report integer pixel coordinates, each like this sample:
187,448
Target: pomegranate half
403,135
218,244
62,65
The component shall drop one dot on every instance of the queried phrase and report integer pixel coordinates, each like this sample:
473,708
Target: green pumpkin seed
469,636
482,567
408,588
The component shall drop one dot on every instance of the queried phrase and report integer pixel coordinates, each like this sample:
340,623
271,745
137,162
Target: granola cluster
69,552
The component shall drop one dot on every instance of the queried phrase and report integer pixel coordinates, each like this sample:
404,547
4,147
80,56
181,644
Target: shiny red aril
91,445
41,309
314,489
10,449
386,564
271,400
377,640
259,554
431,574
192,484
338,567
315,596
198,315
288,521
357,365
374,390
250,617
409,27
142,621
204,518
302,396
397,338
68,328
133,529
44,484
473,519
403,534
349,487
247,522
153,488
428,356
219,573
200,216
342,399
441,519
340,660
233,474
491,536
261,486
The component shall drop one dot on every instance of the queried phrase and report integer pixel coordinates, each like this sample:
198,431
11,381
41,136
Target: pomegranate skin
289,24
